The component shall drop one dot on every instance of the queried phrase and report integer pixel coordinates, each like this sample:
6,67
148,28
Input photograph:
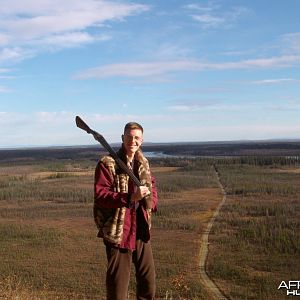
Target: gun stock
98,137
82,125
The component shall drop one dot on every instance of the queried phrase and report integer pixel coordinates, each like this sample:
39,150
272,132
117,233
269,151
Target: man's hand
140,193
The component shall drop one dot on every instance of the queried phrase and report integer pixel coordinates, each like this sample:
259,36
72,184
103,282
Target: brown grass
289,170
49,245
156,170
255,242
49,249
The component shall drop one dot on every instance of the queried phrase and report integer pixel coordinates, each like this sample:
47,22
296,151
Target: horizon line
115,144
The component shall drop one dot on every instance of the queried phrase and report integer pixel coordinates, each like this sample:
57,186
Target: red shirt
135,224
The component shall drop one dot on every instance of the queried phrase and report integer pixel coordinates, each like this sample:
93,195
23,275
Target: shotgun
98,137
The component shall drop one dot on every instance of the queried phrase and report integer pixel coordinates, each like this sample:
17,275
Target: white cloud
214,16
209,21
184,108
201,7
136,69
292,107
224,132
6,77
214,106
40,128
148,69
3,70
123,118
291,42
58,128
203,90
29,21
4,39
271,62
26,24
69,40
4,89
274,81
14,54
262,131
171,50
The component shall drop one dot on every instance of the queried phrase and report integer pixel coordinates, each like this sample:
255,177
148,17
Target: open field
255,243
49,249
48,243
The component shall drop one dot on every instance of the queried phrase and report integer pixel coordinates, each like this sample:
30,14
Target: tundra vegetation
255,242
49,249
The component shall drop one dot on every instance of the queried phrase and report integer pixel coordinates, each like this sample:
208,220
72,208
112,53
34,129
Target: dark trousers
118,272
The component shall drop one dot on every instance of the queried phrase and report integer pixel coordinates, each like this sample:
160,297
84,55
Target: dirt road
210,286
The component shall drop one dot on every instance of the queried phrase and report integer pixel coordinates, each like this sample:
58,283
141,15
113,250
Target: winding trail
205,280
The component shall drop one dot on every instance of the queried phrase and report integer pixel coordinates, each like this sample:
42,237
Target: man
122,213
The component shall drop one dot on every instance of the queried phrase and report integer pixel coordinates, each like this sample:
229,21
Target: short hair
133,125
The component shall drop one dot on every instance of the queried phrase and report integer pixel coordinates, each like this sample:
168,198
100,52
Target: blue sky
186,70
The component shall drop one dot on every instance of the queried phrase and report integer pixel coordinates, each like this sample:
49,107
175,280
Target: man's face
132,140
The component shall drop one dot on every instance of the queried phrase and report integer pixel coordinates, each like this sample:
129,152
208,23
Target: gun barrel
98,137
